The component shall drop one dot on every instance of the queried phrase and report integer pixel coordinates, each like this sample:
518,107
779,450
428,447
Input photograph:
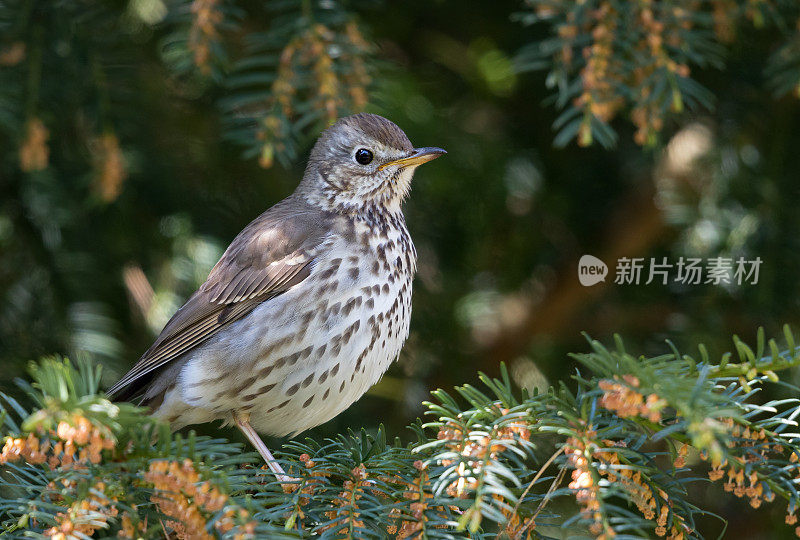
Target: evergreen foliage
607,57
308,68
117,196
631,433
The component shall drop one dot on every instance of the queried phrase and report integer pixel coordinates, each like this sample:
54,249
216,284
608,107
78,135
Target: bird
307,307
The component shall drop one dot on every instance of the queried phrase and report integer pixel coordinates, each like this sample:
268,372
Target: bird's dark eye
363,156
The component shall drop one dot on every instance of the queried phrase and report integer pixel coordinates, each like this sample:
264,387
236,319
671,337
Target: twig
163,528
546,498
530,485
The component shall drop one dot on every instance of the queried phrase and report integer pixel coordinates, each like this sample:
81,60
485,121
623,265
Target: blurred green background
123,179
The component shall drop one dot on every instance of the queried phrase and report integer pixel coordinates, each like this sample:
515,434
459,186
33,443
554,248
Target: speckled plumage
308,306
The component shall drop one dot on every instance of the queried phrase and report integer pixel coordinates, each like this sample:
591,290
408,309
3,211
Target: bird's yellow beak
418,157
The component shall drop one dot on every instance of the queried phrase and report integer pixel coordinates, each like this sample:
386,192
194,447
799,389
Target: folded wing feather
272,254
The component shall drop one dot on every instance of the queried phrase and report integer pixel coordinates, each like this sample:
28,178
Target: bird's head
361,161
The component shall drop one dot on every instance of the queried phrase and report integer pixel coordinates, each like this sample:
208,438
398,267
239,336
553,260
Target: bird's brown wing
272,254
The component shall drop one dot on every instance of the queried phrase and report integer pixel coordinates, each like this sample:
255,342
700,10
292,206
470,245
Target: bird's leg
243,423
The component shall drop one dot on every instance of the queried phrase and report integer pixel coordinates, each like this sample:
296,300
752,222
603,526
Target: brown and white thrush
307,307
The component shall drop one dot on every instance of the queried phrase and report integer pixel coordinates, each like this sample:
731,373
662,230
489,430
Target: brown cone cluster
190,502
109,164
752,485
621,397
34,153
593,460
84,516
207,17
74,443
478,451
330,89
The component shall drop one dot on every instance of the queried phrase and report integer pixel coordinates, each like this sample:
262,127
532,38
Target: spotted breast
309,353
